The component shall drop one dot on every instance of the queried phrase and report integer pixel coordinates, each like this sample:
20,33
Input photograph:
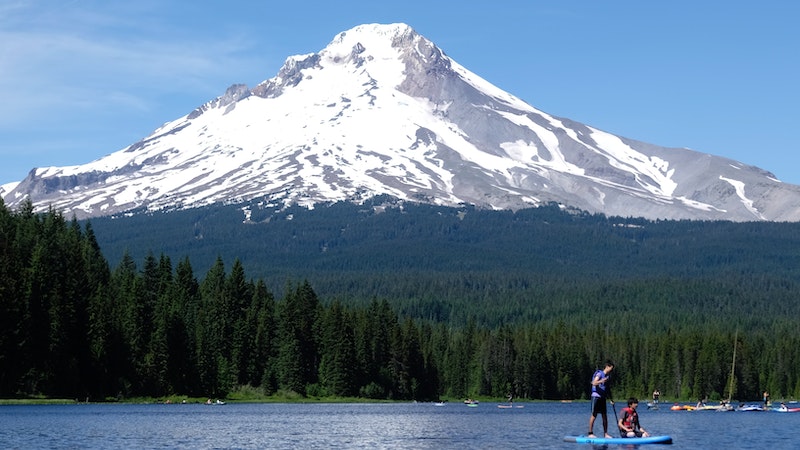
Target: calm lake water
369,426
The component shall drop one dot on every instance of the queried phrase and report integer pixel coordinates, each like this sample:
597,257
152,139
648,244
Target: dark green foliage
298,350
418,303
337,365
450,264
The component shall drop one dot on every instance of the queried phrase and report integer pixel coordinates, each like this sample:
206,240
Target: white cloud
74,57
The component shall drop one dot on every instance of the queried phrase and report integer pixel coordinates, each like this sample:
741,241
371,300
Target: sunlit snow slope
382,110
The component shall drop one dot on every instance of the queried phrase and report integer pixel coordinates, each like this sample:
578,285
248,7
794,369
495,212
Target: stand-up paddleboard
510,406
620,440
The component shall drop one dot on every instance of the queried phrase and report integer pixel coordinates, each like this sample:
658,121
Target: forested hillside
406,303
384,235
499,267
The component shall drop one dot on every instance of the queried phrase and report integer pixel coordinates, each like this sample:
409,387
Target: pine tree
261,370
298,361
182,331
125,341
238,295
13,303
212,361
337,359
159,353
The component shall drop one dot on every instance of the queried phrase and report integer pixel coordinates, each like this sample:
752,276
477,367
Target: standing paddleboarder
600,391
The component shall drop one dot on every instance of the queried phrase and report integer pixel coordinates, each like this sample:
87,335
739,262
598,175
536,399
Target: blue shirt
600,389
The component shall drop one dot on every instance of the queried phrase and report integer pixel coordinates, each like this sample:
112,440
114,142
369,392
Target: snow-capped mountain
382,110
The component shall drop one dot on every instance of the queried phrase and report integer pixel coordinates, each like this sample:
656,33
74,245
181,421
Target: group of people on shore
628,420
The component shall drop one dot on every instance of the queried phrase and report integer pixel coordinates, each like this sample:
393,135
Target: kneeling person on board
629,421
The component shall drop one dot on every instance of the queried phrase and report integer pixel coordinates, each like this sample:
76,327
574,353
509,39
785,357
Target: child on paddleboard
629,421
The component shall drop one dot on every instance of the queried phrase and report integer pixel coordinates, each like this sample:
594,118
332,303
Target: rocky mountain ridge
382,110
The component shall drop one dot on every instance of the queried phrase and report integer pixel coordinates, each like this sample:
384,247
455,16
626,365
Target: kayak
786,409
619,440
677,407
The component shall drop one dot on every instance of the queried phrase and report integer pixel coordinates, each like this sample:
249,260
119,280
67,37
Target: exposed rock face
382,110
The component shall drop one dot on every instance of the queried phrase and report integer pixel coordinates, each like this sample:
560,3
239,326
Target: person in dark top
629,421
600,391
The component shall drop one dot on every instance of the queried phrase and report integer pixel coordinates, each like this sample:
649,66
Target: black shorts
624,433
598,405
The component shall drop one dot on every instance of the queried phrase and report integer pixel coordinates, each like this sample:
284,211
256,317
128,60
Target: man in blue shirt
600,391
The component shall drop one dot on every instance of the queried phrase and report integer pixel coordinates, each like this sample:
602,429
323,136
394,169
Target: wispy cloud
92,55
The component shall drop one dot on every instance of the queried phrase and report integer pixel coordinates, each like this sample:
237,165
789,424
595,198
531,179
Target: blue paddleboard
620,440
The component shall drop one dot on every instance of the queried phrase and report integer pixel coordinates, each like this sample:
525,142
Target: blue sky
80,79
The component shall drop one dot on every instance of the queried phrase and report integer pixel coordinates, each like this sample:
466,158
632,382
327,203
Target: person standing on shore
600,392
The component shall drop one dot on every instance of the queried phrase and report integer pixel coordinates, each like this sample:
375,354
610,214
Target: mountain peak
354,47
372,32
383,110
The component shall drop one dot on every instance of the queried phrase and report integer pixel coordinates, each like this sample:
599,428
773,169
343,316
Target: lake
368,426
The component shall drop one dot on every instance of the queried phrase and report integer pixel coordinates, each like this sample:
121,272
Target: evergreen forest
395,301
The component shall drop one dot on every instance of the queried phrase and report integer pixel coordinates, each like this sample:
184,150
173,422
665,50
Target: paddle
614,407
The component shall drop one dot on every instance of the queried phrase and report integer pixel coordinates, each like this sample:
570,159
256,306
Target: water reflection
364,426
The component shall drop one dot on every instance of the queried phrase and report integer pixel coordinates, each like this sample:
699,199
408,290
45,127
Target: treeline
74,327
449,264
385,235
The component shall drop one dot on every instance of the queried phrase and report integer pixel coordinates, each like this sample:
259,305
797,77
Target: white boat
750,408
